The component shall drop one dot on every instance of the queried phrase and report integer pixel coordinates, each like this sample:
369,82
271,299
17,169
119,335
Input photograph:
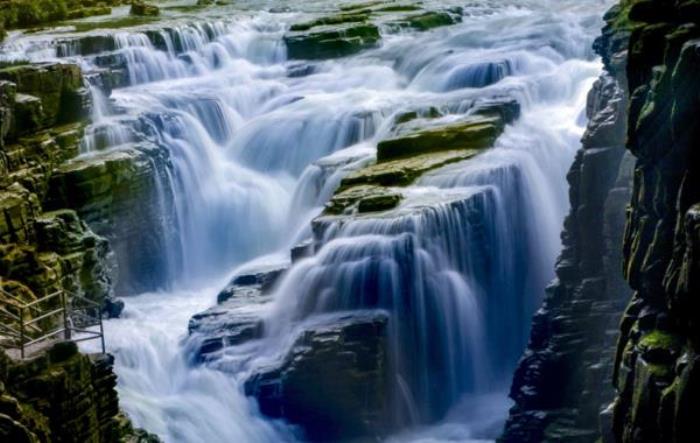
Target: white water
245,139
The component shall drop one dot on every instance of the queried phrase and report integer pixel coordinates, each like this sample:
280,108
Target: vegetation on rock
20,14
142,9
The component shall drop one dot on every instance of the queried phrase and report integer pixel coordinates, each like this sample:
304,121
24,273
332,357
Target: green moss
364,198
356,6
477,132
331,20
622,20
660,370
404,171
427,20
331,41
144,9
659,340
378,203
88,12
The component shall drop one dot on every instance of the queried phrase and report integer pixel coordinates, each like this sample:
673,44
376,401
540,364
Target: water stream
464,264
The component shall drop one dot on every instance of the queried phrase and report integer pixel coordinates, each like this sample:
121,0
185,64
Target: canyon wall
45,246
634,215
656,368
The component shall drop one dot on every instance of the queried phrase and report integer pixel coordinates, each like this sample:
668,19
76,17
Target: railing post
102,333
21,331
66,323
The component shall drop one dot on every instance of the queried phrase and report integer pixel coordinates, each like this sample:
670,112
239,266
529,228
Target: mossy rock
476,132
427,20
430,112
660,347
404,171
144,10
331,41
18,209
397,8
375,198
90,44
59,86
88,12
28,115
330,20
360,6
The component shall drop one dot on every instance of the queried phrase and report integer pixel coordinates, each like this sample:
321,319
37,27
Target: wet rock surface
62,395
332,381
357,27
117,193
237,317
421,142
656,366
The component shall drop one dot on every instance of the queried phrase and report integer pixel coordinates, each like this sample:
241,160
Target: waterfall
257,145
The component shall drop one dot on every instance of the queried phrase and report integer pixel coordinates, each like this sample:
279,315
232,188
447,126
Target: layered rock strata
45,246
63,396
44,249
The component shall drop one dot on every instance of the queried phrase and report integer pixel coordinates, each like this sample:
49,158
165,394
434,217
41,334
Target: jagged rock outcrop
121,194
43,108
238,316
656,374
562,381
332,382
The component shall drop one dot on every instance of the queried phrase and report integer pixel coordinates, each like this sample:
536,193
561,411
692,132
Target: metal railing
42,320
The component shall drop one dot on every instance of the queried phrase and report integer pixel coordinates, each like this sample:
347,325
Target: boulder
263,278
333,381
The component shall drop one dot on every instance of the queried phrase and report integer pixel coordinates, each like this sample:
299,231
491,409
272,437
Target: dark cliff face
656,370
631,239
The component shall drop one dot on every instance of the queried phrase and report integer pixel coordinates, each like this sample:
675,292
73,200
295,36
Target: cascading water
258,143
